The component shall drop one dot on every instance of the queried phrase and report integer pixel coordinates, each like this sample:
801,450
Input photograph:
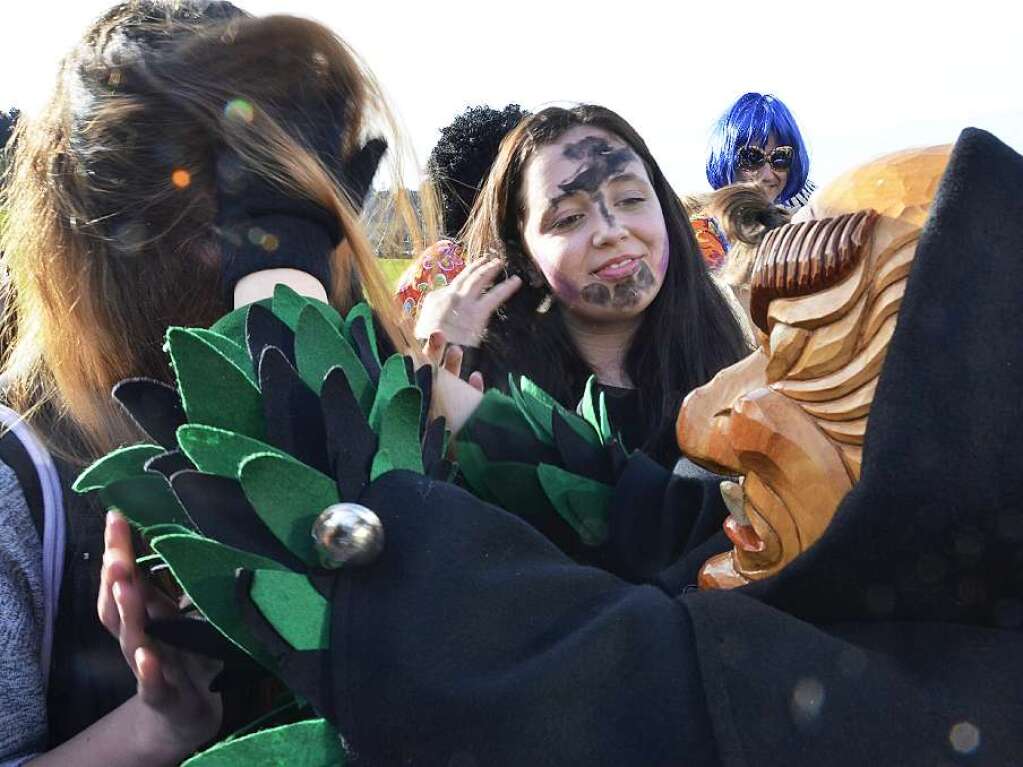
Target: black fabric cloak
895,640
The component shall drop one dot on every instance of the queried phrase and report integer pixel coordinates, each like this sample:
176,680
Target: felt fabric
582,502
919,575
399,446
146,500
214,390
392,378
168,464
502,651
294,420
206,571
288,496
235,352
220,452
264,329
219,509
154,406
312,743
293,607
232,325
120,464
351,443
319,347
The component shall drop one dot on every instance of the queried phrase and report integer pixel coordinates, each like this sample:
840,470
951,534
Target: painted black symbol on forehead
600,161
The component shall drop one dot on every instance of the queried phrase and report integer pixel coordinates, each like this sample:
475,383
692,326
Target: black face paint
599,162
623,294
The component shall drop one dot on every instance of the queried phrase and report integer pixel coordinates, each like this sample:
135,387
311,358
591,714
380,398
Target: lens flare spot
807,700
964,737
181,178
240,110
270,243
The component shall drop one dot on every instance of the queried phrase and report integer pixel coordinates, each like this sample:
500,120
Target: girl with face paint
612,281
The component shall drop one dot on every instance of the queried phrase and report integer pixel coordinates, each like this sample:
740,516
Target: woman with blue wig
758,140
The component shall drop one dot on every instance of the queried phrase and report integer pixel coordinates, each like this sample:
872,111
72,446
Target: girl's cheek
563,288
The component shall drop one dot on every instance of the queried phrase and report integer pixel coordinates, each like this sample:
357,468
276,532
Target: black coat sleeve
474,640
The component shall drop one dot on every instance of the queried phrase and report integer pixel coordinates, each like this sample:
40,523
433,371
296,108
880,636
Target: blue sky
861,78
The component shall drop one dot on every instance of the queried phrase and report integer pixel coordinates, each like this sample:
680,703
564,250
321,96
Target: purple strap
53,527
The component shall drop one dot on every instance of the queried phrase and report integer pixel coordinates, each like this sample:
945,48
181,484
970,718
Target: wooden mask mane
796,260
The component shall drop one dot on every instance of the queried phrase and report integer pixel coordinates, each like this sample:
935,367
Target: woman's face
593,225
768,176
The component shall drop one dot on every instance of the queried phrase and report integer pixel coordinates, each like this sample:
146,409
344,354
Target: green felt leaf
206,571
472,462
313,743
214,390
288,496
293,607
120,464
533,412
236,353
517,488
220,452
399,445
363,310
319,348
498,409
232,325
540,404
145,500
393,377
581,501
155,531
605,421
288,305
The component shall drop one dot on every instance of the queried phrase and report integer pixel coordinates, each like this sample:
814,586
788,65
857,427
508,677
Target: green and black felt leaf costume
282,409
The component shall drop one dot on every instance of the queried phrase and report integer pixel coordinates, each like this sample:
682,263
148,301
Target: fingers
453,360
481,278
118,567
433,349
476,380
153,687
500,293
131,609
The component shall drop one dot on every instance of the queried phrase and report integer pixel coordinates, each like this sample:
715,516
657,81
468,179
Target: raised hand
178,713
462,310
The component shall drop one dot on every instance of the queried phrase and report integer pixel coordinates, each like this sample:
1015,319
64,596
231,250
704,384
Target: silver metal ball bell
347,534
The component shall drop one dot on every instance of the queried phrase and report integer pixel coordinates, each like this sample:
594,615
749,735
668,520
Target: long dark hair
688,333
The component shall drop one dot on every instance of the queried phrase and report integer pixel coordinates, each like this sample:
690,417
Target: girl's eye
567,222
632,201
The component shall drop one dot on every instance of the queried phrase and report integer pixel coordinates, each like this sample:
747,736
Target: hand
444,356
462,310
178,713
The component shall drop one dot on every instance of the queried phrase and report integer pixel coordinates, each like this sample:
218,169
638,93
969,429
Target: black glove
264,227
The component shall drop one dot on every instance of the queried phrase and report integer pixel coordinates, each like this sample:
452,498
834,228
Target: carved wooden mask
790,419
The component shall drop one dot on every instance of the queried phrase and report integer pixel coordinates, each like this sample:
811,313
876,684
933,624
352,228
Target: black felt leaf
504,445
154,406
306,672
264,329
221,511
351,443
578,455
168,464
424,380
294,419
433,444
364,348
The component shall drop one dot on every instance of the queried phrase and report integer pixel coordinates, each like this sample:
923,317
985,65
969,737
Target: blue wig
750,121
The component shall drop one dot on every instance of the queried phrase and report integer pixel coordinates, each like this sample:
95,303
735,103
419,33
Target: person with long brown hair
186,149
577,209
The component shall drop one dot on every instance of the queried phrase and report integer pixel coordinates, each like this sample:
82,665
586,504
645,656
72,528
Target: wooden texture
791,418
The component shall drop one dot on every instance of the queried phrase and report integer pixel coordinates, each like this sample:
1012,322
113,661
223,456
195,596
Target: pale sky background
862,78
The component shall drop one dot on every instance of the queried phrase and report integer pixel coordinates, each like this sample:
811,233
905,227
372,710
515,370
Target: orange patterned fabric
712,241
436,267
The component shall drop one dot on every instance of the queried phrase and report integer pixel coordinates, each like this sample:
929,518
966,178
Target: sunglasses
753,158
